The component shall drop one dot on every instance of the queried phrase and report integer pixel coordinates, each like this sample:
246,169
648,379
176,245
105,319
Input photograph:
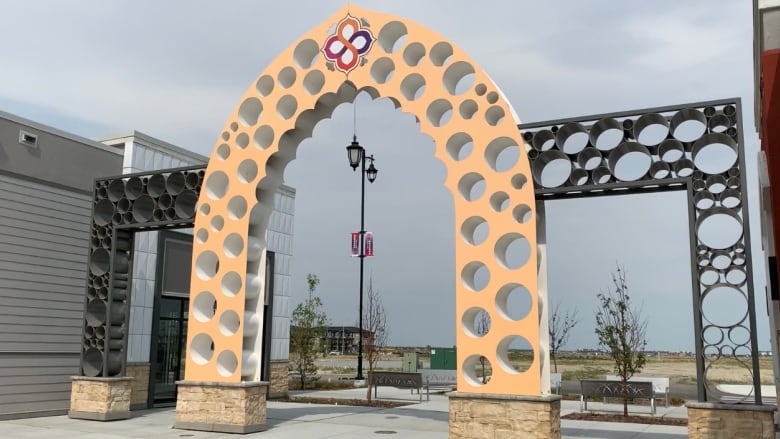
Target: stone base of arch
221,407
477,415
708,420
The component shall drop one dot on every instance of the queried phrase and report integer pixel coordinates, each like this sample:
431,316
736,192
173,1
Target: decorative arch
455,103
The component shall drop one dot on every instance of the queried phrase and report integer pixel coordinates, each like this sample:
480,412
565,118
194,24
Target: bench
556,381
401,380
444,379
614,389
660,385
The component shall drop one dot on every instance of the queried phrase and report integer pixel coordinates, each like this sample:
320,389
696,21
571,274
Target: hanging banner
355,243
369,250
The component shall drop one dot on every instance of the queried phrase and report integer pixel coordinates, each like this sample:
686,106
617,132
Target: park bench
660,385
439,379
614,389
401,380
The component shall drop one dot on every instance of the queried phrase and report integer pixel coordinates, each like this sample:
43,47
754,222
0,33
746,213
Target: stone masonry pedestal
100,399
476,416
708,420
221,407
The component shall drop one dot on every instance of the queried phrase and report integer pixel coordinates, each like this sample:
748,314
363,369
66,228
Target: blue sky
175,70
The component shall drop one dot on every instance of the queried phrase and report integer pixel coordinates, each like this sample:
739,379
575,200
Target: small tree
560,327
483,326
375,323
621,330
306,331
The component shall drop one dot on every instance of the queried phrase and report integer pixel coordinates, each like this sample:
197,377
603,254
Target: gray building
46,180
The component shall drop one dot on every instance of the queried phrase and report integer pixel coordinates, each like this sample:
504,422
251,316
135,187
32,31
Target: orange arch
455,103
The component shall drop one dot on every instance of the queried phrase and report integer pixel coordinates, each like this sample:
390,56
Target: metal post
362,258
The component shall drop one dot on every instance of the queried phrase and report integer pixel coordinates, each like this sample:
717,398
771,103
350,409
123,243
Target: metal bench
614,389
438,378
660,385
401,380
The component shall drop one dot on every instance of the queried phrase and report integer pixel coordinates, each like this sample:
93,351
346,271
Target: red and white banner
355,243
369,250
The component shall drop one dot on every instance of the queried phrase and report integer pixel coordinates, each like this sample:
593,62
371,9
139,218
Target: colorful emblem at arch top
347,46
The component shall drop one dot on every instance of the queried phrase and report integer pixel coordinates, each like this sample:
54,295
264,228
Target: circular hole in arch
475,276
513,302
204,306
492,97
502,154
441,53
206,265
499,201
227,363
480,89
513,250
459,77
439,112
519,181
247,171
306,53
287,77
736,276
468,109
471,186
712,335
474,230
217,185
242,140
201,349
522,213
265,85
202,235
229,323
459,146
236,208
234,245
724,305
287,106
233,126
515,354
413,86
231,284
217,223
225,136
739,335
476,370
630,161
714,153
264,137
494,115
476,322
719,228
313,82
392,36
382,70
708,276
223,151
413,54
249,111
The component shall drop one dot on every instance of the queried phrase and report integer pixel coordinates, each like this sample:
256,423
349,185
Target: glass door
171,342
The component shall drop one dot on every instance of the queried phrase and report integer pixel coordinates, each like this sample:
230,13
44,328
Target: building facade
46,181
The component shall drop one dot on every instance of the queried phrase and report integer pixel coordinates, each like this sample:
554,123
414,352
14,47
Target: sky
176,69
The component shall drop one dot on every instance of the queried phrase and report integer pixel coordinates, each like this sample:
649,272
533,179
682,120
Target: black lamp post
357,157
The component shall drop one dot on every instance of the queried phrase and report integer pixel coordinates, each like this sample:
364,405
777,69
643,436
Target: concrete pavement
428,419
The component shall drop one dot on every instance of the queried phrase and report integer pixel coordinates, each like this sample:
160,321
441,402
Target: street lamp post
357,157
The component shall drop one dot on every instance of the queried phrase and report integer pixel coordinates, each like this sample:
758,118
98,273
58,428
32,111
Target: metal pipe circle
571,138
175,183
116,190
637,170
706,142
606,134
191,180
644,122
543,140
671,150
684,120
719,123
731,198
143,208
716,184
544,159
589,158
659,170
601,175
134,187
579,177
683,168
156,185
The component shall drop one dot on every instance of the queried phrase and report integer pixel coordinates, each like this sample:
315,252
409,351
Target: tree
560,328
375,324
306,331
483,326
621,330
